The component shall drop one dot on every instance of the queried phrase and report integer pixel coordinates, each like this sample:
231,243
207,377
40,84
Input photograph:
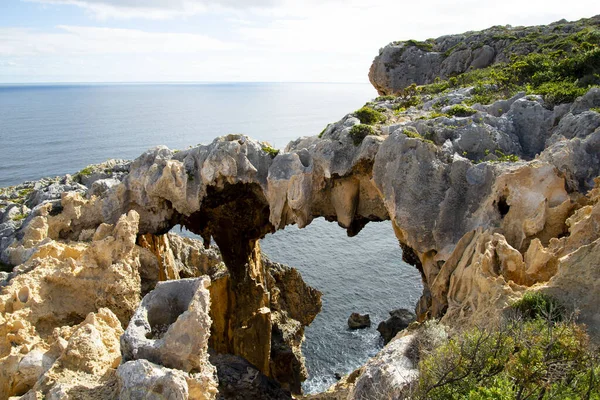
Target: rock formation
399,320
359,321
487,202
400,64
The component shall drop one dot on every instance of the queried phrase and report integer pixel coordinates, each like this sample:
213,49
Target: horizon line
170,82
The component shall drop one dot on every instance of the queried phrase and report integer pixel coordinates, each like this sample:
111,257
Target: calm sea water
48,130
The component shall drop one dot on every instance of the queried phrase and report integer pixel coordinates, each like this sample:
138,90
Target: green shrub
87,171
19,217
412,132
369,116
539,305
359,132
267,148
386,98
524,359
595,109
460,110
564,66
506,157
558,92
425,46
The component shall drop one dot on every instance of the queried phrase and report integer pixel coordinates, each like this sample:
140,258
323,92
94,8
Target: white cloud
268,40
155,9
93,40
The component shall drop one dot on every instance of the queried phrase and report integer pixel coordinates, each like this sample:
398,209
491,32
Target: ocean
49,130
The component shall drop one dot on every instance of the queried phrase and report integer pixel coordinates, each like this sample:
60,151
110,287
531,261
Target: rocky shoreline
488,201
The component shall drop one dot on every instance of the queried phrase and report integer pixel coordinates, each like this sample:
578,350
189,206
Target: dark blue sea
48,130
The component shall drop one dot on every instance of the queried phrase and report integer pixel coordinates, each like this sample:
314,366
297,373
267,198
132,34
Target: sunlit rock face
481,233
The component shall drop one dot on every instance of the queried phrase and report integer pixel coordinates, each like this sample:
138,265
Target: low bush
359,132
460,110
525,359
369,116
267,148
538,305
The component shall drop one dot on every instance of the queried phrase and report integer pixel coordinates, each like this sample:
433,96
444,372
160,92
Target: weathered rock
240,380
80,278
170,327
387,375
399,320
79,364
400,64
359,321
141,380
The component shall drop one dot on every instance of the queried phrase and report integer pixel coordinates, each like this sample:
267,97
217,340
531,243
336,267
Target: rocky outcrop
400,64
166,344
359,321
399,320
482,228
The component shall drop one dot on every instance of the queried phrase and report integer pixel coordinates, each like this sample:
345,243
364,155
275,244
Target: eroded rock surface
481,228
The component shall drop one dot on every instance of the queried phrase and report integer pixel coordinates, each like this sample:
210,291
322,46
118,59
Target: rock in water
359,321
399,319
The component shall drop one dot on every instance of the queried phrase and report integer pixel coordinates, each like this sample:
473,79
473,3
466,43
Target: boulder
240,380
359,321
399,320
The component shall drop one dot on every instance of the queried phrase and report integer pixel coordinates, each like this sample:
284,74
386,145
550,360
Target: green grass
386,98
323,131
595,109
359,132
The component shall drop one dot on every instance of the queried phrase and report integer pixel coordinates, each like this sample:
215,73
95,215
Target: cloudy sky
235,40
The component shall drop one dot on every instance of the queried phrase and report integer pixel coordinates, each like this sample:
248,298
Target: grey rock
399,320
388,375
400,64
143,380
100,186
170,327
240,380
532,124
359,321
589,100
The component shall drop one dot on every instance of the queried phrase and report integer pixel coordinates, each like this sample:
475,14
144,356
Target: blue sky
233,40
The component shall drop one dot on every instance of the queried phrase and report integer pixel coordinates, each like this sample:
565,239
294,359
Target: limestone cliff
402,63
488,199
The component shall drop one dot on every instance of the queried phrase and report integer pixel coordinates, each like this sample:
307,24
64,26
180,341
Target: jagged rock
399,320
388,374
359,321
170,326
80,279
79,364
141,380
240,380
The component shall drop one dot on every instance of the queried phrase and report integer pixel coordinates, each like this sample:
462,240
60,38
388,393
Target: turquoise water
48,130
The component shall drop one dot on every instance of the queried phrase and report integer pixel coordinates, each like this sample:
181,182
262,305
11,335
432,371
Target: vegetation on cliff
535,354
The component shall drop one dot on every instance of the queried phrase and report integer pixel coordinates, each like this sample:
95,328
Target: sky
236,40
